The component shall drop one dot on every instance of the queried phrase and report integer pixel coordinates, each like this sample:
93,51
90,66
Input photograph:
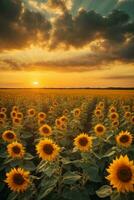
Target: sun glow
36,83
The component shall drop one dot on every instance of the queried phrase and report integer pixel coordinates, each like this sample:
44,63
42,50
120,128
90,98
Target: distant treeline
81,88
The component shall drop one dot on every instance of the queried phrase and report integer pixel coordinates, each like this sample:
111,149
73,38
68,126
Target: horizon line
101,88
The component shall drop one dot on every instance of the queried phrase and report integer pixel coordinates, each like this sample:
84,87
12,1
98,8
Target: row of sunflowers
72,147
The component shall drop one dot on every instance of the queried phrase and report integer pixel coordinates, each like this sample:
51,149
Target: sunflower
58,123
47,149
126,108
18,179
55,104
51,109
31,112
101,104
19,115
3,109
42,115
124,139
121,174
98,107
100,129
15,108
127,115
63,119
83,142
97,112
15,150
112,109
2,115
13,114
115,123
9,136
65,112
45,130
76,112
16,121
114,116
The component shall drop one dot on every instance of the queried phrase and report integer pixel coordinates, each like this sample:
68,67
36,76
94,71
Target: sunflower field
66,145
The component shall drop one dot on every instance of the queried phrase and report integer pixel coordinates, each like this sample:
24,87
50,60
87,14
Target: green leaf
70,177
3,154
26,135
109,154
12,196
92,171
104,191
41,165
115,196
47,186
28,156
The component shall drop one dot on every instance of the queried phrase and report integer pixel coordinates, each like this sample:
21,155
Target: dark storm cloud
21,27
87,26
77,31
117,31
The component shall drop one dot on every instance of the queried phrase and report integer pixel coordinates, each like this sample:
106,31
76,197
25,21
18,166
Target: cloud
82,29
22,27
123,77
126,6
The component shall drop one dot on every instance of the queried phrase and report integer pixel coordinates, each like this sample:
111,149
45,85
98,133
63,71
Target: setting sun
35,83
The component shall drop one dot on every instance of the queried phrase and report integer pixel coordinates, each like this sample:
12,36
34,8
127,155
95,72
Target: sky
66,43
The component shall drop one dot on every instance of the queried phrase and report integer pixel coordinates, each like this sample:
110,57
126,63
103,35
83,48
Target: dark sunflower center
100,129
48,149
14,114
45,130
113,116
124,174
41,115
98,112
16,120
10,135
115,123
18,179
16,149
124,138
1,115
83,141
31,112
128,114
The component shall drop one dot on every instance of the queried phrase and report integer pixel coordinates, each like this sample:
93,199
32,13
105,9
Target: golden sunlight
35,83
